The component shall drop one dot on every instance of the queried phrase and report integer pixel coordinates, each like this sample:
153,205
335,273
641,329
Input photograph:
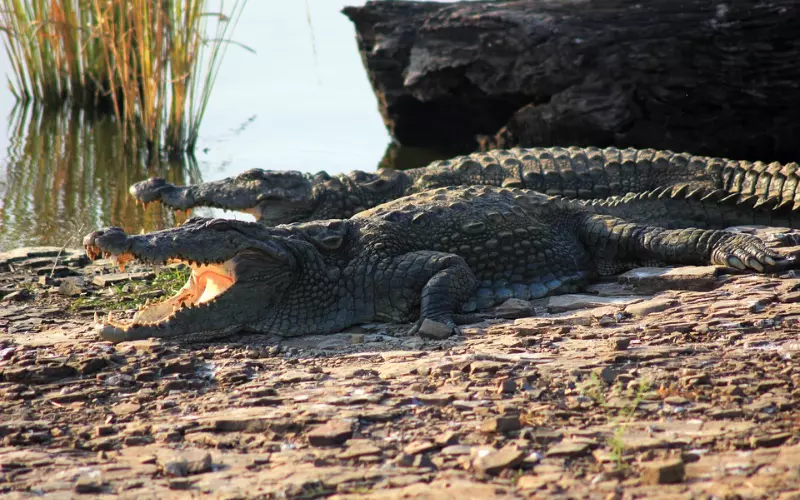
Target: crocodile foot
744,251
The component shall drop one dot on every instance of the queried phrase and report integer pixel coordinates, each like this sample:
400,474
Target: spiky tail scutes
617,244
772,186
587,173
683,206
575,172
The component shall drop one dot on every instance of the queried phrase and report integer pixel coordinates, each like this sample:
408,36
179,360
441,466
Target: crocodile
279,197
439,255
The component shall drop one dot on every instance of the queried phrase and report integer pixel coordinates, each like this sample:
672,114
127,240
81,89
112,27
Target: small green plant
133,294
595,389
149,62
617,445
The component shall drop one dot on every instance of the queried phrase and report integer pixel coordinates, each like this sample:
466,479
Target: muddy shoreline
659,383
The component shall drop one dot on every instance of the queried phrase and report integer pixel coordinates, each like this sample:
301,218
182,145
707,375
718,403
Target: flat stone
568,449
331,433
790,298
446,439
769,440
656,279
416,447
456,450
114,278
570,302
434,330
610,290
360,451
89,484
497,461
650,306
125,409
663,472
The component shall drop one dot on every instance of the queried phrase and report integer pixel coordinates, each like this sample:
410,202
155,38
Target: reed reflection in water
67,173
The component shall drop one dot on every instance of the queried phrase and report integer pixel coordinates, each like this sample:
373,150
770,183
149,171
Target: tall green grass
153,63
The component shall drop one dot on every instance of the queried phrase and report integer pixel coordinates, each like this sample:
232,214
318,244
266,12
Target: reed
153,63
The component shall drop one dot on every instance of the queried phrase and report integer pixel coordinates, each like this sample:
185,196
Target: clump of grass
135,293
147,61
595,389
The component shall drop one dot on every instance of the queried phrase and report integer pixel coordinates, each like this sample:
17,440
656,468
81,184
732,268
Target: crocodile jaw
273,197
210,304
196,299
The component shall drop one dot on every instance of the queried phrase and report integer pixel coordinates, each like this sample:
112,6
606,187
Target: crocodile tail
770,186
683,206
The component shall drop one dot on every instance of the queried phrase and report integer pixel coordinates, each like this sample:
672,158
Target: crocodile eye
330,242
252,174
219,225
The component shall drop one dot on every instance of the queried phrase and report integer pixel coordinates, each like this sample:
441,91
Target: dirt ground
658,383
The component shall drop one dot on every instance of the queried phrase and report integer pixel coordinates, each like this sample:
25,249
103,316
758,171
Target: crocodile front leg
438,283
617,245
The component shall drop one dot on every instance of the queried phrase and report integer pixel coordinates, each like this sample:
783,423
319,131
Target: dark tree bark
707,76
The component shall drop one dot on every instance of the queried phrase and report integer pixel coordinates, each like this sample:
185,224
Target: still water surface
302,102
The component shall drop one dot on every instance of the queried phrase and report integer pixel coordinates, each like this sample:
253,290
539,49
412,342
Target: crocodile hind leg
442,281
617,244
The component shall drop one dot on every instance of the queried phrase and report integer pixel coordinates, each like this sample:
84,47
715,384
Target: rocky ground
659,383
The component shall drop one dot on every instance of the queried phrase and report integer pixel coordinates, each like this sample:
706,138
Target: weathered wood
706,76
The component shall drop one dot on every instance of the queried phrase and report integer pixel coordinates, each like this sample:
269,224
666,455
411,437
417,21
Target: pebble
331,433
607,374
434,330
89,484
504,424
663,472
621,343
496,461
186,464
71,286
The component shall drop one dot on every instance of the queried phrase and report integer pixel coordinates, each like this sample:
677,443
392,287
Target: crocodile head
240,274
273,197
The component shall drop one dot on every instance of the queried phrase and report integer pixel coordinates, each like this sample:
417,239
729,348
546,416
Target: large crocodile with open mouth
280,197
438,255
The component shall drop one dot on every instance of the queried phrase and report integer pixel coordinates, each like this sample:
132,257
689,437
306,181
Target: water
302,102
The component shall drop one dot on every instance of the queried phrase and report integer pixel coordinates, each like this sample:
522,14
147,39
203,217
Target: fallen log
706,76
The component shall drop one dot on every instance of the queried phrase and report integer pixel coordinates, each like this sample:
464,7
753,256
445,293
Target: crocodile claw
745,251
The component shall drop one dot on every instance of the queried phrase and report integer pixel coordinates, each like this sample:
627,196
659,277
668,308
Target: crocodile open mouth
207,282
